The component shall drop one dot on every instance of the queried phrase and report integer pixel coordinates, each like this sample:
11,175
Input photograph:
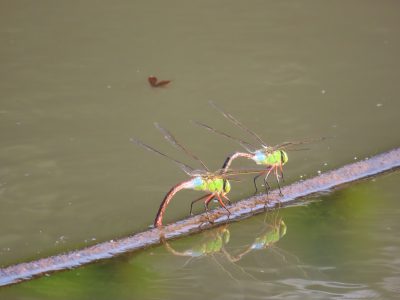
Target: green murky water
74,89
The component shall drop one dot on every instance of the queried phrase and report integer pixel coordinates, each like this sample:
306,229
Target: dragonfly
216,184
273,157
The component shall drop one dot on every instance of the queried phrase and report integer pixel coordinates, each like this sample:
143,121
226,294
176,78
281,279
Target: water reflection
271,234
215,241
236,256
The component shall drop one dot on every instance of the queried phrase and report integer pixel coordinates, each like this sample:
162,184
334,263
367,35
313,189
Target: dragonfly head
284,157
227,186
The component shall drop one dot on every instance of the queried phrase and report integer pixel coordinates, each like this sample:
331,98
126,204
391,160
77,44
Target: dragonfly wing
237,172
185,168
238,123
247,146
288,145
199,173
170,138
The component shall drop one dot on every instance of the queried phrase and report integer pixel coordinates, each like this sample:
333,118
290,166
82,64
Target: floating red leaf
155,83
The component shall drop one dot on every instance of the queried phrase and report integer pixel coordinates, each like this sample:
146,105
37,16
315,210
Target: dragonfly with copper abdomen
273,157
216,184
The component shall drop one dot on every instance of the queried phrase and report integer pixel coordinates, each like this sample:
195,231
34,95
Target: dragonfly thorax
211,184
276,157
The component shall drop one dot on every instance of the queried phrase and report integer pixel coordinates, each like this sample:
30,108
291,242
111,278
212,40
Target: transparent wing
288,145
247,146
185,168
200,173
236,172
170,138
238,123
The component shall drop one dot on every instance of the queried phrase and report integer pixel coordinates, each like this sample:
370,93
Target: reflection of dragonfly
214,242
218,238
215,183
273,157
271,234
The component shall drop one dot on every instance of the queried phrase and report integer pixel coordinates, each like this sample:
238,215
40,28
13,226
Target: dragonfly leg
267,186
206,202
255,181
277,180
194,201
227,199
222,203
280,166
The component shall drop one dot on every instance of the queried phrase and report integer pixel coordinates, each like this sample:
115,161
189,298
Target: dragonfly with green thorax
273,157
216,184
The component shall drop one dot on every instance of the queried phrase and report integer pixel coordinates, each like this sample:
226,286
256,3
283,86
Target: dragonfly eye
284,157
226,186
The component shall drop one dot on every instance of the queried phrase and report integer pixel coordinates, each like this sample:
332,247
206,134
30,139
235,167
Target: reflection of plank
321,184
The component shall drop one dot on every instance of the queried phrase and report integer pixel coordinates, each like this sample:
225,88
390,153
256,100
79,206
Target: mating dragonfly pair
217,184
